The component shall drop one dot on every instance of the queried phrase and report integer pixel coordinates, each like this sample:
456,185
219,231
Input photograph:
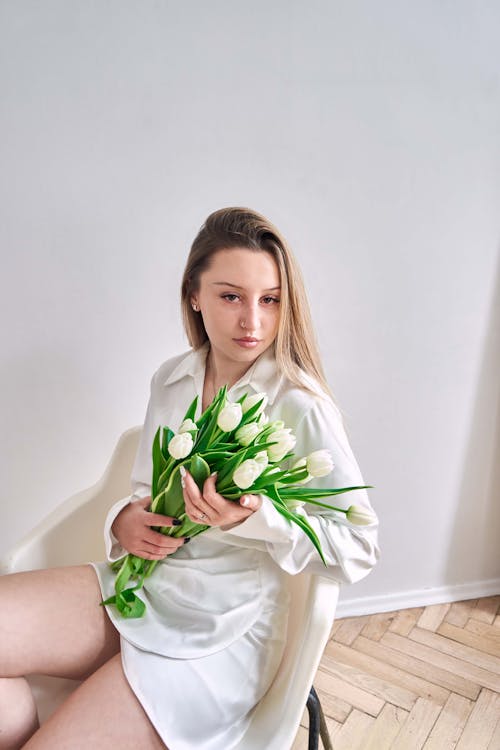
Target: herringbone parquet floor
425,678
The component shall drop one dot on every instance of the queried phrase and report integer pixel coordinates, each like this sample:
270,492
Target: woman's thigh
102,713
52,623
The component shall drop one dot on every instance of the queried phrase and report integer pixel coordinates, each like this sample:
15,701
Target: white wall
368,132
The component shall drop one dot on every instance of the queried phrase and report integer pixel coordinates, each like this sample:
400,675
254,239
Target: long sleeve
350,551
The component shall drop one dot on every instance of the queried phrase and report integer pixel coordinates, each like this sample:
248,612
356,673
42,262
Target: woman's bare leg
102,713
52,624
18,714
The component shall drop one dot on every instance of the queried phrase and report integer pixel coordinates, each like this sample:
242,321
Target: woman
189,673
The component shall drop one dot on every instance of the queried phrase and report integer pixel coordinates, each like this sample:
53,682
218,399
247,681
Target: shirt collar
262,376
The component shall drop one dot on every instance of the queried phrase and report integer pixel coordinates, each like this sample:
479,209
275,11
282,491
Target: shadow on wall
474,555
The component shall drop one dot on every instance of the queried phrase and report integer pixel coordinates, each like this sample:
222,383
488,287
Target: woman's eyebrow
235,286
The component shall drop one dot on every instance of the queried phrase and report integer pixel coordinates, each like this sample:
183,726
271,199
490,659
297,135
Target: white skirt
203,702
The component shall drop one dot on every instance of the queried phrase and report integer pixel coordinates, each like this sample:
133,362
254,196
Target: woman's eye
230,297
270,300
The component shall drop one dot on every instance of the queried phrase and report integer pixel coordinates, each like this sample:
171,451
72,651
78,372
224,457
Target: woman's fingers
170,545
155,519
251,502
133,527
197,507
213,509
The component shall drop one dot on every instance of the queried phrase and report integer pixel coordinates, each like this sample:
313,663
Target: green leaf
308,494
129,605
250,414
165,476
217,455
299,520
172,498
199,470
167,436
159,462
124,575
190,414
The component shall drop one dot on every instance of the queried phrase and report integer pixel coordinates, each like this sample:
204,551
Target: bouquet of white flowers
237,441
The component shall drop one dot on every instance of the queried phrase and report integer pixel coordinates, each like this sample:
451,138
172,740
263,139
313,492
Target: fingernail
213,474
176,522
182,471
187,539
245,501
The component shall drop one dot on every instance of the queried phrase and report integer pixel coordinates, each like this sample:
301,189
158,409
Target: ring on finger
202,516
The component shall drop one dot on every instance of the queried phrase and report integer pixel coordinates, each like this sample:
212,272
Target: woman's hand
212,509
132,529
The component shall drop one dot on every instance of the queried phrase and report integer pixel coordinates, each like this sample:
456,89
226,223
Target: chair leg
317,723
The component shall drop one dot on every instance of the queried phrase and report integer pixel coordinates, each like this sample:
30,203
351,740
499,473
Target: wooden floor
417,678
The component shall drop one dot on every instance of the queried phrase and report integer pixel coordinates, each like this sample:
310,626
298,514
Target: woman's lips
247,343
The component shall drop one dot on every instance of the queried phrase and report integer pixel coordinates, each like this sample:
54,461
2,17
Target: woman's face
239,298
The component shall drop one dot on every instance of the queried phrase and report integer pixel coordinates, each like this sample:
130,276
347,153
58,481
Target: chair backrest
72,533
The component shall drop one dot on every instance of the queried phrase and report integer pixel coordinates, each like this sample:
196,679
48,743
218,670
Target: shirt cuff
265,524
114,550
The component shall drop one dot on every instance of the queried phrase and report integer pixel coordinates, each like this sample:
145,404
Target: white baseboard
369,605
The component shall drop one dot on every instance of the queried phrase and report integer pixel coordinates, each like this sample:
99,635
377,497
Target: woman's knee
18,714
102,713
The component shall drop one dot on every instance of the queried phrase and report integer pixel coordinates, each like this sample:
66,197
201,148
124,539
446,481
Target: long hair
296,347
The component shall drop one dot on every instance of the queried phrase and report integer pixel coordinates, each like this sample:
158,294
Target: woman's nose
251,317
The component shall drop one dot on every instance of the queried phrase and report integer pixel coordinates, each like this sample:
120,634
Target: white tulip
246,474
181,445
319,463
247,433
302,464
360,515
294,504
262,459
188,425
263,420
230,417
284,443
252,400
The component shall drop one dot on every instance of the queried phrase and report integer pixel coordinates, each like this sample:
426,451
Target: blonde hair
296,348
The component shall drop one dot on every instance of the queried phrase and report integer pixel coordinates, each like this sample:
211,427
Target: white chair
72,534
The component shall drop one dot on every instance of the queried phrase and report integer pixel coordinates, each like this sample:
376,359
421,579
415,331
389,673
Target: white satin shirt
212,590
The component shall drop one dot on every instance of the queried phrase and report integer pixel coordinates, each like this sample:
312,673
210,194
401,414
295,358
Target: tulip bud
230,417
319,463
278,424
181,445
360,515
247,433
187,426
246,474
284,443
302,464
263,420
262,459
252,400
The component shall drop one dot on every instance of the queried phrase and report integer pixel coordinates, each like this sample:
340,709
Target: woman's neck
218,374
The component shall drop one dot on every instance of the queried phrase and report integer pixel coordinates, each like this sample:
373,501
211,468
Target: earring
195,307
